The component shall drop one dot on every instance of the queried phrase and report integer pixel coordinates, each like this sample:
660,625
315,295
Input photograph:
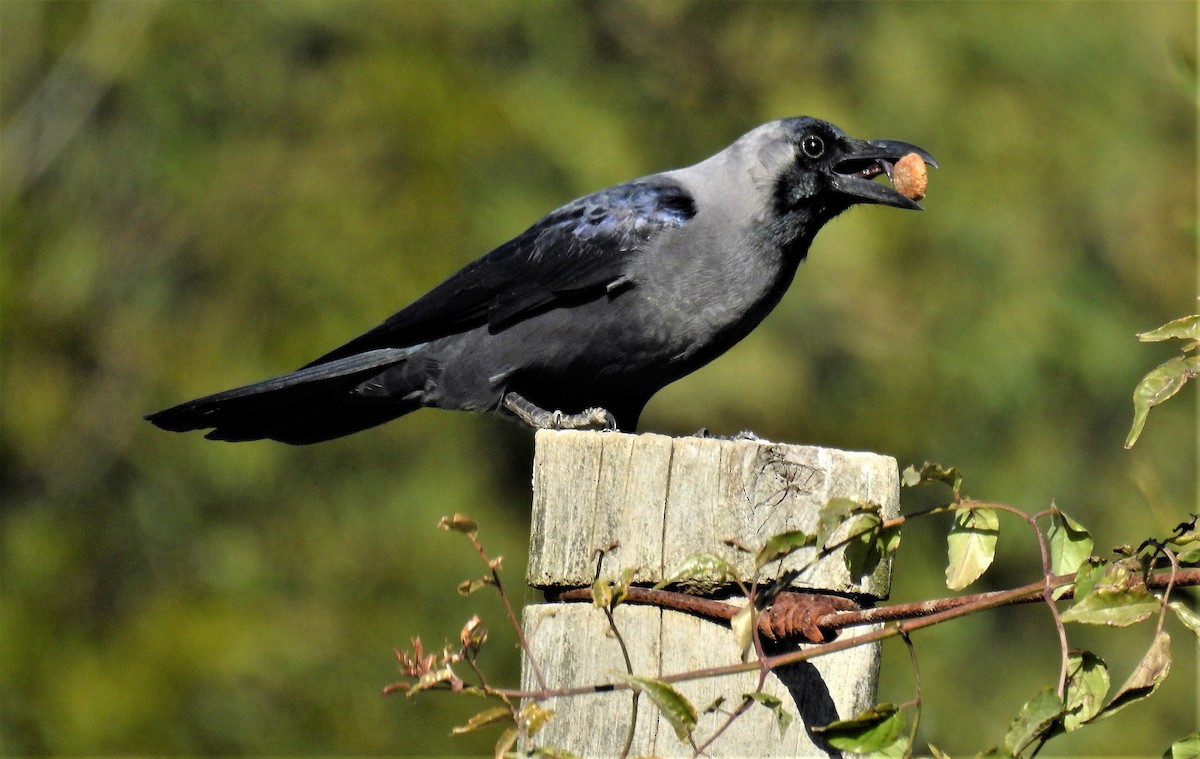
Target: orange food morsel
909,177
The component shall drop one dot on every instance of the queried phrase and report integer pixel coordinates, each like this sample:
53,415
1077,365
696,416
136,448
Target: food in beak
909,177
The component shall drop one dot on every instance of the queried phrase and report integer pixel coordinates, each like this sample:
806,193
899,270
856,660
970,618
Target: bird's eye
813,146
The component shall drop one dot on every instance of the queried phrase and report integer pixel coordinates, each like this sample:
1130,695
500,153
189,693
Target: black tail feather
307,406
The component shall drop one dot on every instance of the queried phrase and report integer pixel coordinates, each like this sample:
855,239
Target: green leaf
858,526
1111,594
863,553
1186,615
932,472
1157,386
485,717
876,729
781,545
1088,574
1187,747
1184,328
831,516
782,718
458,523
1189,558
898,750
1087,685
1070,543
972,546
1035,719
673,705
701,568
1184,538
1145,678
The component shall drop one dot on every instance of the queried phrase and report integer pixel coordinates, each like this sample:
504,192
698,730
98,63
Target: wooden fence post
664,499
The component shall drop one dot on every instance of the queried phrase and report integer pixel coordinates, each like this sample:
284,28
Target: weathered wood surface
667,498
664,499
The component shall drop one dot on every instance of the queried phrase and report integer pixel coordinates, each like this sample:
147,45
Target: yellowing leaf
1111,594
507,739
741,624
972,546
532,717
1145,678
485,717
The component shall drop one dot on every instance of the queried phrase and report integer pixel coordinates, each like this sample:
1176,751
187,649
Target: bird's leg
538,417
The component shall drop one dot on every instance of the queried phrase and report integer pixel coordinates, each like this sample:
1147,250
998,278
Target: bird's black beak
863,161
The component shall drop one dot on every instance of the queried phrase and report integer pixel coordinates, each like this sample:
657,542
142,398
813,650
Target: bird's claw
538,417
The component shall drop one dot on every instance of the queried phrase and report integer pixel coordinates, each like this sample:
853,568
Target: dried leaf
458,523
467,587
932,472
1145,678
473,634
485,717
716,704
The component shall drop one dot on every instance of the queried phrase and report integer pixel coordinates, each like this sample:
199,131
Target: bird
579,320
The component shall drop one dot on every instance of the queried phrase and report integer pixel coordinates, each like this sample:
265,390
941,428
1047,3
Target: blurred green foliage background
197,195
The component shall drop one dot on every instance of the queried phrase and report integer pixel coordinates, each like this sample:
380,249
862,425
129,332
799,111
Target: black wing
575,253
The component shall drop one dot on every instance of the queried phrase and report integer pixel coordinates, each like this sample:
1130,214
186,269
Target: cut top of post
664,499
